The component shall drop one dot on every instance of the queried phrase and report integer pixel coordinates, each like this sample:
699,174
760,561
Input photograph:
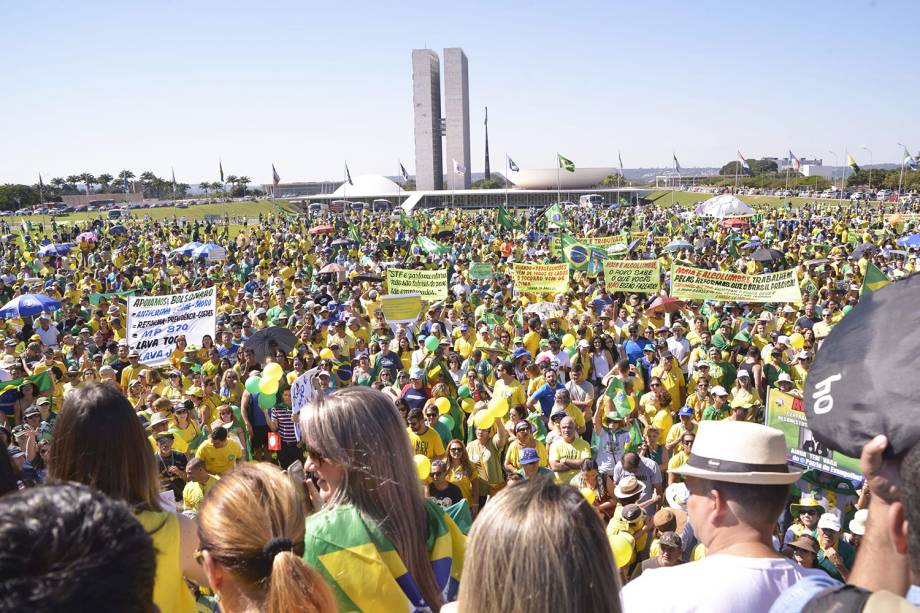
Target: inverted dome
724,205
546,178
366,186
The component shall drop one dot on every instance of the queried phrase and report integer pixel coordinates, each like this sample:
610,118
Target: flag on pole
276,178
511,165
403,172
348,175
407,222
506,220
354,235
852,163
41,184
554,216
744,162
125,181
909,161
620,158
221,165
173,178
874,279
458,168
565,163
796,163
676,163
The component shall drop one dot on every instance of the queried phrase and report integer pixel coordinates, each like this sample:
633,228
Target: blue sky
101,86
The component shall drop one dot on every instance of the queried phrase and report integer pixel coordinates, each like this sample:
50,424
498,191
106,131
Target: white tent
722,206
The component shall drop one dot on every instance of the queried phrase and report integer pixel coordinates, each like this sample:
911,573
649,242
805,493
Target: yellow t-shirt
194,493
428,444
576,450
514,392
217,461
169,590
178,443
532,343
513,455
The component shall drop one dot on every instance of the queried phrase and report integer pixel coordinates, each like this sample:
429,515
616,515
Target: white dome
367,186
724,205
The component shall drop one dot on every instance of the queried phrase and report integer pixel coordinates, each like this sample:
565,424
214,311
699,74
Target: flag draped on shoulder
42,382
555,218
565,163
365,571
874,280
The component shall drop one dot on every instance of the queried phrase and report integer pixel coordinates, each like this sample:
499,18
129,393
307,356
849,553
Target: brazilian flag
407,222
852,163
42,382
565,163
354,235
874,280
506,221
430,245
580,256
555,218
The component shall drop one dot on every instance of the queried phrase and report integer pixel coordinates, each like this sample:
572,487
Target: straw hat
628,486
739,452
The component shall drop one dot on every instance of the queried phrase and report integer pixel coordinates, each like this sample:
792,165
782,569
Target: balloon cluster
266,386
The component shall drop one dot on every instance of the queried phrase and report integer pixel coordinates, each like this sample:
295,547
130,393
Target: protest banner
700,284
155,322
541,278
302,390
401,308
431,284
481,271
787,414
555,243
641,276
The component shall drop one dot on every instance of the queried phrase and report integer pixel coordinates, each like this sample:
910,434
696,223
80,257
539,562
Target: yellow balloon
272,371
622,545
589,494
568,341
443,405
327,354
268,386
484,420
291,377
797,340
467,404
422,466
663,421
498,407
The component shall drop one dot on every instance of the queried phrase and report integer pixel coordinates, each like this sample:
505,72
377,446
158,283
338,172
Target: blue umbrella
678,245
186,249
29,304
911,242
55,249
211,251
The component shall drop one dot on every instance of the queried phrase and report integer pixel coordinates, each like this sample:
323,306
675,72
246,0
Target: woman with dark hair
99,442
367,481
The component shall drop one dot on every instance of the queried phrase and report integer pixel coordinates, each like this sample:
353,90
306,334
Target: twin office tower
430,128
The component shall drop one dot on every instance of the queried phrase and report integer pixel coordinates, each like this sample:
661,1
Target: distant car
381,206
358,206
182,205
857,196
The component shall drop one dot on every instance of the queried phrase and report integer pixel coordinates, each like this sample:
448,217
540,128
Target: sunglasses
456,450
437,473
808,512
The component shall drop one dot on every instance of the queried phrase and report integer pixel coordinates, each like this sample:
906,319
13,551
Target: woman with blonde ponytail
251,528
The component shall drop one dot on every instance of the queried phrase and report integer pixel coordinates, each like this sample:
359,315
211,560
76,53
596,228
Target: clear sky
100,86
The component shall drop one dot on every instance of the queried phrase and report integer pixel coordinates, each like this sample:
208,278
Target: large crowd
508,451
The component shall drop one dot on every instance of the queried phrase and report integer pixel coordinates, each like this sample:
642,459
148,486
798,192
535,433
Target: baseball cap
671,540
829,521
784,377
685,411
415,373
528,456
584,344
719,391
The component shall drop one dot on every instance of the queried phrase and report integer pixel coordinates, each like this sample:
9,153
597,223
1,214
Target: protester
251,529
69,547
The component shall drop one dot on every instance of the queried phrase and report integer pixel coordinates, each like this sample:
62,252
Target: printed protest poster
699,284
302,390
401,308
786,413
481,271
431,284
602,242
541,278
642,276
155,322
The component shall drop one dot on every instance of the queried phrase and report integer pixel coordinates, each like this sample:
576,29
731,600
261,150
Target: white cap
858,523
829,521
584,344
784,340
719,390
784,377
744,373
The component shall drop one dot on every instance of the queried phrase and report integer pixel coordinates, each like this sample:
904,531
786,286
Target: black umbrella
704,243
444,234
268,340
864,381
368,276
862,249
767,255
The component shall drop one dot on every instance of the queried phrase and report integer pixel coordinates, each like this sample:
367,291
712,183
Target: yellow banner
700,284
598,241
401,308
541,278
641,276
431,284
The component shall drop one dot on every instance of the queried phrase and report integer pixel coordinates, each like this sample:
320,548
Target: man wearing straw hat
738,481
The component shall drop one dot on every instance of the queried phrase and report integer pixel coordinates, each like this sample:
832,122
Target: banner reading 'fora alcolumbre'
541,278
642,276
431,284
155,322
700,284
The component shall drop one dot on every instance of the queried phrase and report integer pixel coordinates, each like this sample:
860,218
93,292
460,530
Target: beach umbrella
767,255
119,229
816,262
678,245
544,310
704,244
367,276
665,304
326,229
211,251
269,340
29,304
55,249
332,269
186,249
87,237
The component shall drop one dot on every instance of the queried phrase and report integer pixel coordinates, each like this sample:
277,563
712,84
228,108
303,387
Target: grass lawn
663,198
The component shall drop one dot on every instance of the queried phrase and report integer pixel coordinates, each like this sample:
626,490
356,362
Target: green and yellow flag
874,280
507,221
555,218
581,256
407,222
354,235
430,245
42,382
852,163
565,163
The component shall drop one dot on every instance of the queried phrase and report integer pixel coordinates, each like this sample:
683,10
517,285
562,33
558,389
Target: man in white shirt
47,331
738,481
679,346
